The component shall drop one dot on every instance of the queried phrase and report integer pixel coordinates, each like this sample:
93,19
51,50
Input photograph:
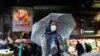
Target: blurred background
86,14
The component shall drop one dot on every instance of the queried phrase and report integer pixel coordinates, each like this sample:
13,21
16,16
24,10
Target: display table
6,52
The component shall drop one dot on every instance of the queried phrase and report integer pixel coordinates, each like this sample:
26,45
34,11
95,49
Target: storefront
94,42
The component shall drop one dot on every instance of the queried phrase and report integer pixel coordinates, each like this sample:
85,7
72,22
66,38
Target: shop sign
22,19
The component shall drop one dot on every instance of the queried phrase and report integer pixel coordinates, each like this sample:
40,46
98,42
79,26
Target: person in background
79,48
20,49
88,48
71,50
65,46
52,43
28,46
13,47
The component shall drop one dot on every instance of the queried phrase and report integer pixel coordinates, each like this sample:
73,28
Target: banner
22,19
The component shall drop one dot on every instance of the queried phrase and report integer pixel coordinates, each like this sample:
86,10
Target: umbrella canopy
22,40
65,23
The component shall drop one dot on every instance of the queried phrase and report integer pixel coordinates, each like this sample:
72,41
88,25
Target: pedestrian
88,48
79,48
21,49
52,42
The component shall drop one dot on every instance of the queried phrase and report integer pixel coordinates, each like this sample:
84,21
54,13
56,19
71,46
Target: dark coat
88,48
79,48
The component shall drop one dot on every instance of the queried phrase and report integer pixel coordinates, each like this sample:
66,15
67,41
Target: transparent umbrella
65,23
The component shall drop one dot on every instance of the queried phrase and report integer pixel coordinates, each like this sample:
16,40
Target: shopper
52,43
79,48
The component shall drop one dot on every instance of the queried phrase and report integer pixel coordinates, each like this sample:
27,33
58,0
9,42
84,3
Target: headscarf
48,29
51,40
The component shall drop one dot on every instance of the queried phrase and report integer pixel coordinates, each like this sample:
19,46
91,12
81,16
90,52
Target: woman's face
53,26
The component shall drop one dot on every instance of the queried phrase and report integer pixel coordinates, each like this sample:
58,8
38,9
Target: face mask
53,28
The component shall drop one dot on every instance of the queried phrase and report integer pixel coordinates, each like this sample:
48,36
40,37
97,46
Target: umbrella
2,42
65,23
22,40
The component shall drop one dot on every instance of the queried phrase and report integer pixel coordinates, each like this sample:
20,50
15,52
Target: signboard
22,19
88,31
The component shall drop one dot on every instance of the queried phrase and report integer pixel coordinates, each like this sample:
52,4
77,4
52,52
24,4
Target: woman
52,43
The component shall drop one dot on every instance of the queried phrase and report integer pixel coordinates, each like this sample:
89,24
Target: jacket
46,51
